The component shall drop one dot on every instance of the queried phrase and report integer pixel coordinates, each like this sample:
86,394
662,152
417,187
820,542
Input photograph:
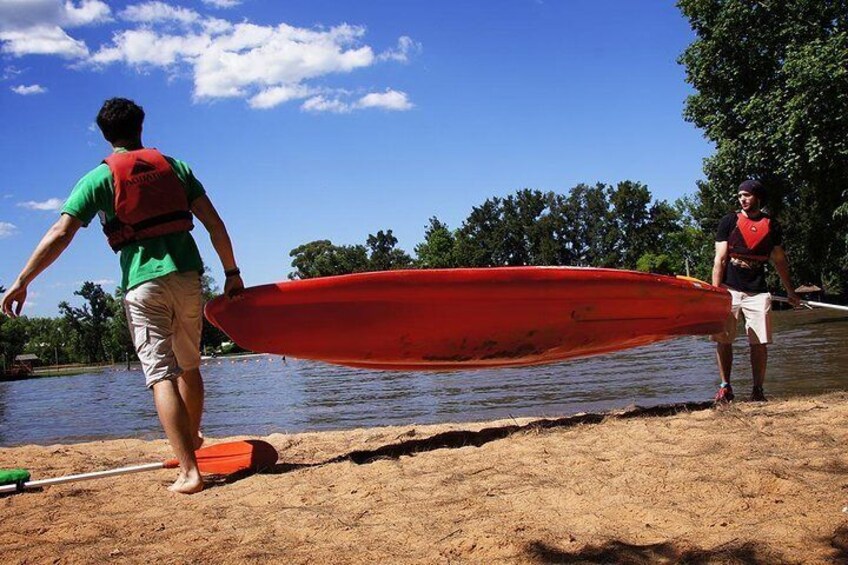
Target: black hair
756,188
120,118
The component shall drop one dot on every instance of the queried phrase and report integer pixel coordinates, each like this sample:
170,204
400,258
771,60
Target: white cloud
36,27
144,47
51,204
101,282
42,40
321,104
271,97
151,12
7,229
221,4
89,12
388,100
24,14
405,47
267,65
28,90
252,57
10,72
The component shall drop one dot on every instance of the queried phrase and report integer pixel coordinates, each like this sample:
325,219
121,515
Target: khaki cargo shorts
165,319
756,308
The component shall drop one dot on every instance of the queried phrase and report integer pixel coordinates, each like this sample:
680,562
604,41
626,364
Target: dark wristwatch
234,272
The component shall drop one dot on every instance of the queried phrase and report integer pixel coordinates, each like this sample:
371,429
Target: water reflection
260,395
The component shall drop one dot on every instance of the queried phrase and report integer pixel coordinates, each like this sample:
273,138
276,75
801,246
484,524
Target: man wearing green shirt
146,202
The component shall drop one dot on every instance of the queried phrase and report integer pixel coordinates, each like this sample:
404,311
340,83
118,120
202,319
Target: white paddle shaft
813,304
83,477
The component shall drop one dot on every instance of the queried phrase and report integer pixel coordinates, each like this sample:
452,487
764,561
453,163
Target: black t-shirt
747,276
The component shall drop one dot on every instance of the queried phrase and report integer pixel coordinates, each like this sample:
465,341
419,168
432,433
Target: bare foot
187,484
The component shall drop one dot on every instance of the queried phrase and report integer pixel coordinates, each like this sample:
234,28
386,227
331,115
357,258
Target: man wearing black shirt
746,241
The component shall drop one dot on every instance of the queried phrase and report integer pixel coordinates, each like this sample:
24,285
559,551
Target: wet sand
746,483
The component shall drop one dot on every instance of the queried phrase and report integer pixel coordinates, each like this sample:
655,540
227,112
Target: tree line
618,226
93,333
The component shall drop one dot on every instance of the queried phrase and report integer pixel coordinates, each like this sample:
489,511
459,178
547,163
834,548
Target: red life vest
750,239
150,200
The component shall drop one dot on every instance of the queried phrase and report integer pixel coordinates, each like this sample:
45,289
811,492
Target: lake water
259,395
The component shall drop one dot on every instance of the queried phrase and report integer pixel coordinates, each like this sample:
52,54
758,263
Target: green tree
118,341
479,238
589,235
630,216
47,338
522,230
90,322
321,259
656,263
210,337
771,81
437,249
384,253
13,338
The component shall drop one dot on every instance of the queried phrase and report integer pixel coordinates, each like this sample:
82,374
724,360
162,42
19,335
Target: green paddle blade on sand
13,476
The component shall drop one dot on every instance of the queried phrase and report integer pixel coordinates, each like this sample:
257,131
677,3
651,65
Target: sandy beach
746,483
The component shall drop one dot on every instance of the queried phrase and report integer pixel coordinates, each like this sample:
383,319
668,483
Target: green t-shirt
145,260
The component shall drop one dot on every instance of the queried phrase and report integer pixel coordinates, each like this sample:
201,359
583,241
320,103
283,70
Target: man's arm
203,209
781,264
54,242
720,262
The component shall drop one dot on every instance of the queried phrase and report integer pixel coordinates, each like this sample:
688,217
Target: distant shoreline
70,370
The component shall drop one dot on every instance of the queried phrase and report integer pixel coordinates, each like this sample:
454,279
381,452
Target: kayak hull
444,319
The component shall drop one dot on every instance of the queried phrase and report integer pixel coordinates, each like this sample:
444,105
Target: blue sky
318,119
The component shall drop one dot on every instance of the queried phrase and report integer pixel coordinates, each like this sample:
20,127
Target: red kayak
465,318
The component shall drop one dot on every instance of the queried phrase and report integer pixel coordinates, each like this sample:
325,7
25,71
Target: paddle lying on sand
221,459
812,304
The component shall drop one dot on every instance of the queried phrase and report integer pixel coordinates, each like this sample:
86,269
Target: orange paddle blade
233,457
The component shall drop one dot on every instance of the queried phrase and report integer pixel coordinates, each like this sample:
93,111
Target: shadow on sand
615,551
464,438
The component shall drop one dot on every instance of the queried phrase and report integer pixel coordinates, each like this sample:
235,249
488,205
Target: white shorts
165,318
756,308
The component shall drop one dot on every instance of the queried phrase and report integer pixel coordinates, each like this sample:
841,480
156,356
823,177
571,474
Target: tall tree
13,338
385,255
630,215
437,249
479,239
210,336
91,321
771,82
590,234
119,344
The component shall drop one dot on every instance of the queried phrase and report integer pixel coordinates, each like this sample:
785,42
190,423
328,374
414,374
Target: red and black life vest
750,239
150,200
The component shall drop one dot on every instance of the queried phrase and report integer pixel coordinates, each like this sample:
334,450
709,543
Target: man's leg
149,315
190,387
724,348
174,416
724,356
757,310
187,327
759,360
